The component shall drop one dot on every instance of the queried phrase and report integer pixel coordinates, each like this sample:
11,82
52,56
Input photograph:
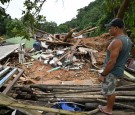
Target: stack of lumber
87,95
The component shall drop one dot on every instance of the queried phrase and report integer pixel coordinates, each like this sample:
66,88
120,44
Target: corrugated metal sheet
6,50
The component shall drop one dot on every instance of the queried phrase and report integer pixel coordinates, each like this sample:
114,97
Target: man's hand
101,78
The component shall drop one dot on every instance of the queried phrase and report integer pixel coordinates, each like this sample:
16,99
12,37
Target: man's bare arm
114,48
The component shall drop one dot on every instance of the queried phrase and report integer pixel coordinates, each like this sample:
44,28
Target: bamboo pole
118,93
119,104
129,75
129,88
65,87
77,100
133,84
87,96
125,93
74,93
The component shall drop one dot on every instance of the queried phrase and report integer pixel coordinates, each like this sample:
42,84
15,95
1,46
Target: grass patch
16,40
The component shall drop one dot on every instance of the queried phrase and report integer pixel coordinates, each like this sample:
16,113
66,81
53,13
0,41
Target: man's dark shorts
109,84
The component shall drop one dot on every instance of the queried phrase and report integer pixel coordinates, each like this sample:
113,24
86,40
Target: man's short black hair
117,22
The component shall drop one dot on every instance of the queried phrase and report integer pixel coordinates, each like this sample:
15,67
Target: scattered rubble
62,68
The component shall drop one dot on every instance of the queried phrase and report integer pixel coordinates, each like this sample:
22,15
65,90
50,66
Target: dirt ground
38,73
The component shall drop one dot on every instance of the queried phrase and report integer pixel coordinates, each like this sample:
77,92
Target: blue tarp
67,106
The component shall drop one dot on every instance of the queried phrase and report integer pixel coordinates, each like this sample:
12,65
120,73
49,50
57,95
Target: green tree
4,1
3,20
49,27
124,9
63,28
30,18
15,27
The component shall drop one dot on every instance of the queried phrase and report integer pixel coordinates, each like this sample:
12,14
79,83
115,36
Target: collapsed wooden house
63,73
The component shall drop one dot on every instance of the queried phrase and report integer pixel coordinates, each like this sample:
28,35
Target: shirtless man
116,57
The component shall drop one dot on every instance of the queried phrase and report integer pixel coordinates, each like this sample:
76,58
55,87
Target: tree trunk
123,8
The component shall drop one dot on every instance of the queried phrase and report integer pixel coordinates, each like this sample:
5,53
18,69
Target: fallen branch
69,35
84,31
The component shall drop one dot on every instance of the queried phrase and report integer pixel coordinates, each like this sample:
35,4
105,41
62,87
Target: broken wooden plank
72,51
84,31
86,50
93,58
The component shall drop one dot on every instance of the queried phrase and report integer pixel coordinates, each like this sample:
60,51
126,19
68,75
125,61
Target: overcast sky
58,11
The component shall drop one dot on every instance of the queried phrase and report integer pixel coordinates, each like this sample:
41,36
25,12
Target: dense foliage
100,12
4,18
87,16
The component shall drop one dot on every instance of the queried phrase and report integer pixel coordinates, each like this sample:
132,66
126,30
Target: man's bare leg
110,103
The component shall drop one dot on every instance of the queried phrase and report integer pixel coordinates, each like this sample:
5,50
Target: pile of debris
78,59
61,73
